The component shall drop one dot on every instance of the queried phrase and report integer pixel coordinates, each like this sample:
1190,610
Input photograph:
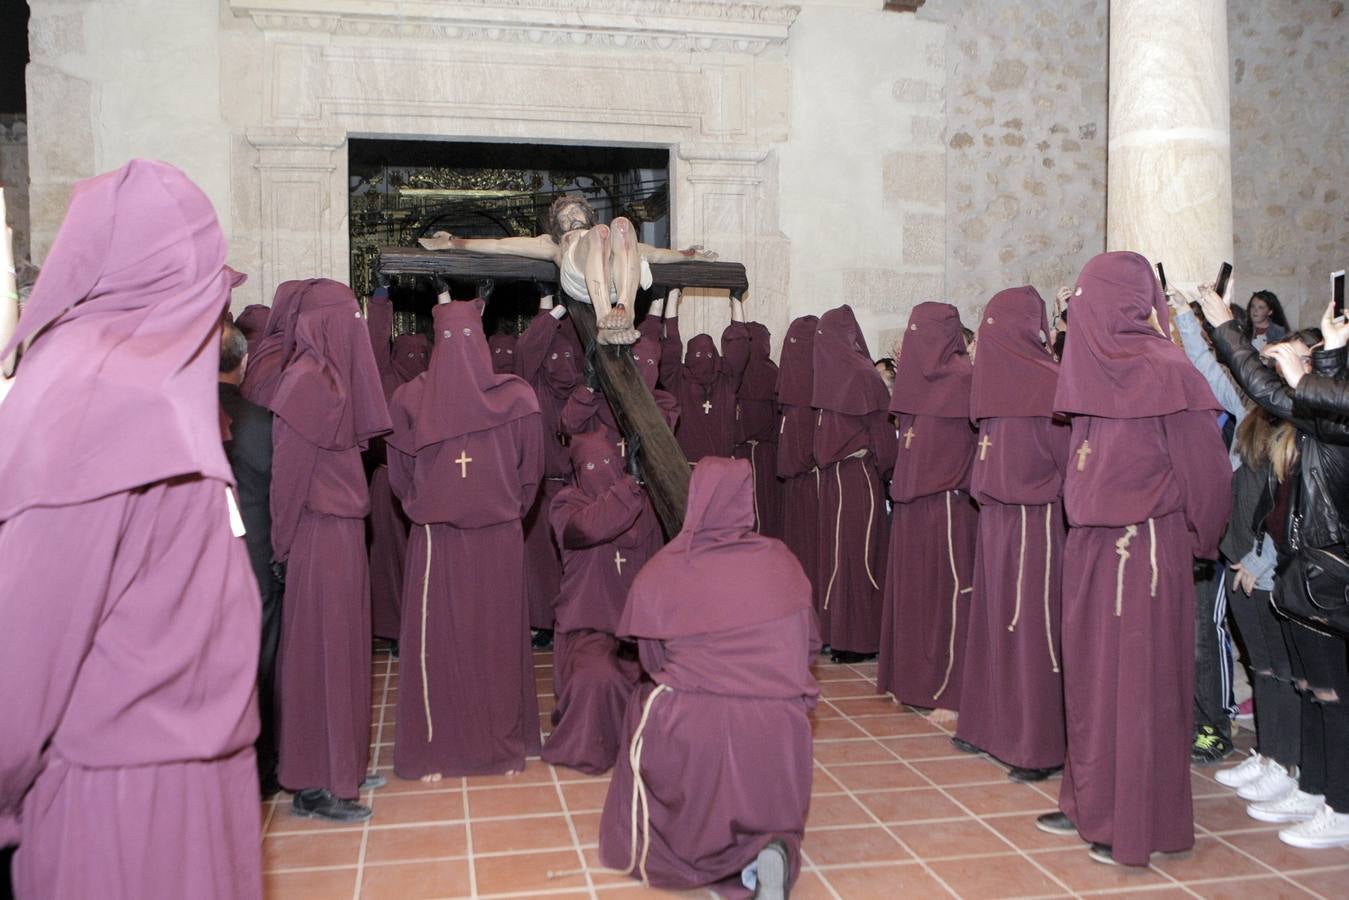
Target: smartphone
1161,273
1337,291
1224,275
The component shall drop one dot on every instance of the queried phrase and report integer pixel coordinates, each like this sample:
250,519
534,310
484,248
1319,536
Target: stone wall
1290,183
1026,143
14,179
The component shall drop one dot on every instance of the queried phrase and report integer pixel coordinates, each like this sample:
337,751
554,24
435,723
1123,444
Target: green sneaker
1210,746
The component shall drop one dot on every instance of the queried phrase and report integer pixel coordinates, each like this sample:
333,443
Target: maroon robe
327,404
547,355
929,578
411,356
854,447
266,354
607,530
388,525
1147,491
466,457
587,410
704,384
253,322
756,430
129,615
796,467
1012,687
719,748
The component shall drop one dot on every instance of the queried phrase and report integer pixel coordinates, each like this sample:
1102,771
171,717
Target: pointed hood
502,347
702,363
411,355
595,462
760,381
253,322
933,376
268,354
1014,373
379,319
1115,364
846,380
796,371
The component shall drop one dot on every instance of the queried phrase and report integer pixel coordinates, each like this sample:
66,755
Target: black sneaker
373,782
773,868
319,803
1026,776
1056,823
1103,854
1210,746
543,639
963,745
848,656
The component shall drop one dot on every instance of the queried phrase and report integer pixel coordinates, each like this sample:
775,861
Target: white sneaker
1324,830
1249,770
1273,784
1296,807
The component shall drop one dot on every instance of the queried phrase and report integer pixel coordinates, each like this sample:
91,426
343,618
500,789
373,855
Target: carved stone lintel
903,5
681,25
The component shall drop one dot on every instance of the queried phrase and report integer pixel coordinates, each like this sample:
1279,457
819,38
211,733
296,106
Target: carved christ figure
598,264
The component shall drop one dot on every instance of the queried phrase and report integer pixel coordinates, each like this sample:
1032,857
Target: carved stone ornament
903,5
681,25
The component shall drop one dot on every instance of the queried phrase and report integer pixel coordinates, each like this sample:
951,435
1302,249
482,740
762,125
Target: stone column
1170,169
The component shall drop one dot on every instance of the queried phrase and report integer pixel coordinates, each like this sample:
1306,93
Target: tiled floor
896,812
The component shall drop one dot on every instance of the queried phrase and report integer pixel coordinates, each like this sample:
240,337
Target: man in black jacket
248,444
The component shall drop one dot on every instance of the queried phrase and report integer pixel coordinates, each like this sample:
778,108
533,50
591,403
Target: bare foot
943,716
431,779
615,328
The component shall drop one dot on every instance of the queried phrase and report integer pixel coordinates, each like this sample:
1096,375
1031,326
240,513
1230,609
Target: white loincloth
573,281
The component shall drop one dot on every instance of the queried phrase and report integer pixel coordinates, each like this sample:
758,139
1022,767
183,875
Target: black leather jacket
1319,513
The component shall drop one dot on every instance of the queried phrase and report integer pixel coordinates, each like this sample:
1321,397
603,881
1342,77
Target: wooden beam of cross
663,463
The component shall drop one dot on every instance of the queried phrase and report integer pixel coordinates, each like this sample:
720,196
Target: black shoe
543,639
964,746
319,803
373,782
1210,746
1028,775
1056,823
1103,853
848,656
270,787
393,649
773,868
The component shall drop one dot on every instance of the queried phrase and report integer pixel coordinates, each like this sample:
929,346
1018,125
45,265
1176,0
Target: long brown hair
1263,439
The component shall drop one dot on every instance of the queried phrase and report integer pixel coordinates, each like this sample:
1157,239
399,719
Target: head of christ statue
570,212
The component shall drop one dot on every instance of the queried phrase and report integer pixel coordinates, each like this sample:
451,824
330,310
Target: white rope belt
1020,571
1049,559
1122,550
636,864
426,591
754,473
955,596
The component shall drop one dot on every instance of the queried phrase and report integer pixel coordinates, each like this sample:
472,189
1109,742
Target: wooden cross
707,407
463,461
1082,453
619,560
908,437
984,444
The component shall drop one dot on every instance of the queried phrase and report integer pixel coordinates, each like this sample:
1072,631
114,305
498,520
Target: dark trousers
1278,708
1212,658
272,592
1323,661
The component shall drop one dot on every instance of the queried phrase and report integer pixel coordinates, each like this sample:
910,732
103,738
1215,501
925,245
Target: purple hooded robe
704,385
1012,688
756,430
388,525
607,530
796,467
129,706
587,410
327,404
466,457
717,758
1147,491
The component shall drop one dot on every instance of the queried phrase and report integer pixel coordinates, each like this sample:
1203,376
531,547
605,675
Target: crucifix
908,437
984,444
707,407
463,461
623,447
619,560
1082,453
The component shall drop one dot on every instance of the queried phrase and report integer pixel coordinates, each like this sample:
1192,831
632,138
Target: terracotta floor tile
967,837
1081,873
867,706
397,809
905,880
876,776
309,885
282,822
852,845
827,729
1005,797
1228,813
626,891
527,873
565,774
1019,828
1266,847
825,711
1210,858
527,800
417,880
601,875
416,842
810,886
310,850
1200,786
587,825
585,796
1327,884
1271,888
837,689
835,809
398,785
910,806
516,835
996,876
864,750
923,746
534,773
826,671
896,724
966,770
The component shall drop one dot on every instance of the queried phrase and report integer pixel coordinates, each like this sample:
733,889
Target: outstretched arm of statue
540,247
664,255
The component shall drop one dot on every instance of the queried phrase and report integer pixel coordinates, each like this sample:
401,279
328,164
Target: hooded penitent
411,356
253,322
266,352
379,319
502,347
796,447
756,429
705,384
933,375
